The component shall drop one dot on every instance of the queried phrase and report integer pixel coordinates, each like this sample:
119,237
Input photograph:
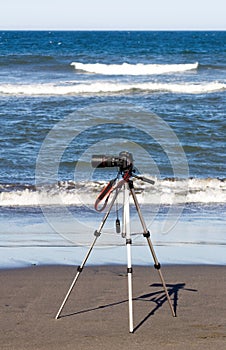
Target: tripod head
124,162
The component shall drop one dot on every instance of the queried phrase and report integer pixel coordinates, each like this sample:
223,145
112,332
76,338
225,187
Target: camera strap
107,190
104,193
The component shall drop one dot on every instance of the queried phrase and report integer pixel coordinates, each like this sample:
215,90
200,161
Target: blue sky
113,14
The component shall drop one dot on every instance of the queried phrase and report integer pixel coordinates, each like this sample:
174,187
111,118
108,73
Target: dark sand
96,314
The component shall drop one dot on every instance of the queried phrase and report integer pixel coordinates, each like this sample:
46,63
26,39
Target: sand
96,313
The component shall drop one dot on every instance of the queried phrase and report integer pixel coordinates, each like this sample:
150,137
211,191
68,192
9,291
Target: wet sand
96,313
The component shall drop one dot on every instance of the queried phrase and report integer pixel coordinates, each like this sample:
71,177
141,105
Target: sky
113,14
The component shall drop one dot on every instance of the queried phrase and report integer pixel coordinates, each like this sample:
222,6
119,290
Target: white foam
108,87
167,191
133,69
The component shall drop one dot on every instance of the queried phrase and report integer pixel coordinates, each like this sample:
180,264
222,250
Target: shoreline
183,254
111,265
96,313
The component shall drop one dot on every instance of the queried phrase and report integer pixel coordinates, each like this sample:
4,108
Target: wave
166,191
133,69
109,88
213,66
21,59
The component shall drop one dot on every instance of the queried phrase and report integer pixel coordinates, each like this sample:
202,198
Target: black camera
124,161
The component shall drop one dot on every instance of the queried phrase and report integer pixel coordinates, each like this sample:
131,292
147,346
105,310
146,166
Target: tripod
126,184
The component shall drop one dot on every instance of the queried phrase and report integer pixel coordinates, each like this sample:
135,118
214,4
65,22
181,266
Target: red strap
105,192
108,190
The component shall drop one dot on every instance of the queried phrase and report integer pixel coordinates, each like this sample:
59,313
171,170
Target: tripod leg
157,266
97,233
146,234
130,293
126,230
79,270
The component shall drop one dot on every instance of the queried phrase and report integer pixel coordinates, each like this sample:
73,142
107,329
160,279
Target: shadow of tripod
159,298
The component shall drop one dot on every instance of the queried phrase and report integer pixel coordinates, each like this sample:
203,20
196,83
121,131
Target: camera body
124,161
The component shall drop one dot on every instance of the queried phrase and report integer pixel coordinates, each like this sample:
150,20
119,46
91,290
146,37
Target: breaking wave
165,191
132,69
72,88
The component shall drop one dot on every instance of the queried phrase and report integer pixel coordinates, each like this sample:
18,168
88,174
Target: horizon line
113,29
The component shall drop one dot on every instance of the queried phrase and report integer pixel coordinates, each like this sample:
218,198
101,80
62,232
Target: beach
96,313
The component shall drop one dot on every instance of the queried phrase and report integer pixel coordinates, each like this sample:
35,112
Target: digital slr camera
124,161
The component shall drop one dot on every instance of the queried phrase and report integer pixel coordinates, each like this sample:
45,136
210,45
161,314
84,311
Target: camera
124,161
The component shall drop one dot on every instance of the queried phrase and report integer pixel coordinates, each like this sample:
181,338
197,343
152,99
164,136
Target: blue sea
68,95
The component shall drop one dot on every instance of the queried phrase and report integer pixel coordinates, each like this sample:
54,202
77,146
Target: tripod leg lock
157,266
129,241
129,270
97,233
146,234
79,268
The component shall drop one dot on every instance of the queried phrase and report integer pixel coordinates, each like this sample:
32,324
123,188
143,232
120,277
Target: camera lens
103,161
123,161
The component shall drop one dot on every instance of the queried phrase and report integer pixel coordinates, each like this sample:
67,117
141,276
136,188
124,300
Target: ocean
68,95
